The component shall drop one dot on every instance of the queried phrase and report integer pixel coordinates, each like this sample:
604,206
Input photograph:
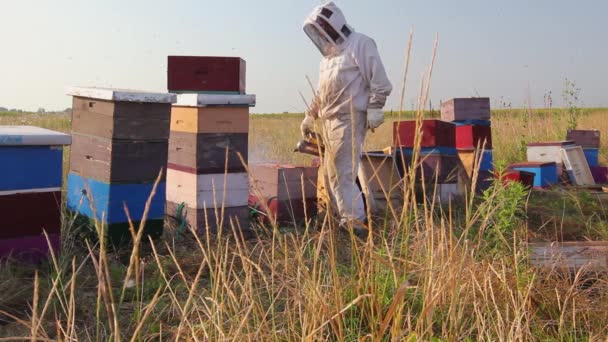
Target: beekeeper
351,93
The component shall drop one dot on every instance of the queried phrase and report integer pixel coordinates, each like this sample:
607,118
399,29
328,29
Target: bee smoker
311,144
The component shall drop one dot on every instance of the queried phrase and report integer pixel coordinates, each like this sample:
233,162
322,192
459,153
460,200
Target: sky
510,51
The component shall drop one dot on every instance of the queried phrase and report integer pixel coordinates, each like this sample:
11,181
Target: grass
430,273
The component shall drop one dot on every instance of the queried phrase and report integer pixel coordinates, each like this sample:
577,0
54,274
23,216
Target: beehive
120,147
30,190
207,183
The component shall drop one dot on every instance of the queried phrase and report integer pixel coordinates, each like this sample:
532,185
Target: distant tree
41,110
3,109
68,110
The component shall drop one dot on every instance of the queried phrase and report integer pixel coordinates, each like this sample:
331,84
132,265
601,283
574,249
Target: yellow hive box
210,119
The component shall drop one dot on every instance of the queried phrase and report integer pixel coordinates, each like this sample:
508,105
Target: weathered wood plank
592,255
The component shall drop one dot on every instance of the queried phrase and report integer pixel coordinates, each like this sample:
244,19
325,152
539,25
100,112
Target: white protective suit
352,91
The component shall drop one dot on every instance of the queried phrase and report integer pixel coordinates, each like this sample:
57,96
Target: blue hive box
109,201
593,156
545,174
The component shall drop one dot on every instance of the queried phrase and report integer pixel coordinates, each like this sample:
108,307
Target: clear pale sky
511,49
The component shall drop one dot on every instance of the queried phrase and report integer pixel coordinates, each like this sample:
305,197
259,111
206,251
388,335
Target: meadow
456,272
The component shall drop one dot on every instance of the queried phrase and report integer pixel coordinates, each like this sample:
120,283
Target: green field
430,273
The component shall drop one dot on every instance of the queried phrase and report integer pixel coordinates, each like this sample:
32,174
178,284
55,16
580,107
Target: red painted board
435,133
29,213
31,249
473,136
526,178
212,74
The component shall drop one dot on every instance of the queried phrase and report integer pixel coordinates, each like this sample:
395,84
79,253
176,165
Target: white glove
307,125
375,118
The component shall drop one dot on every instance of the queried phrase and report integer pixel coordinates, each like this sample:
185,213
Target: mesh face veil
320,40
327,28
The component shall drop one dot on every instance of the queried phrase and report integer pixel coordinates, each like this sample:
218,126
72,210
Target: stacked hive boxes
438,161
284,194
207,181
120,141
473,135
589,140
30,190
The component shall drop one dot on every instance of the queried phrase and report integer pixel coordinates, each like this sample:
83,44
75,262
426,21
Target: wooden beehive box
120,146
30,190
210,119
118,161
283,181
435,133
442,168
200,191
206,74
209,133
208,200
545,174
573,256
459,109
105,202
546,152
584,138
380,182
121,114
208,153
473,136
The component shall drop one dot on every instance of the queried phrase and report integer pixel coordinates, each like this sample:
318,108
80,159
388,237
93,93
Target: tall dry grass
428,272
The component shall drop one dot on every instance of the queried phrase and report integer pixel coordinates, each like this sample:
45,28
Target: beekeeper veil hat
327,28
